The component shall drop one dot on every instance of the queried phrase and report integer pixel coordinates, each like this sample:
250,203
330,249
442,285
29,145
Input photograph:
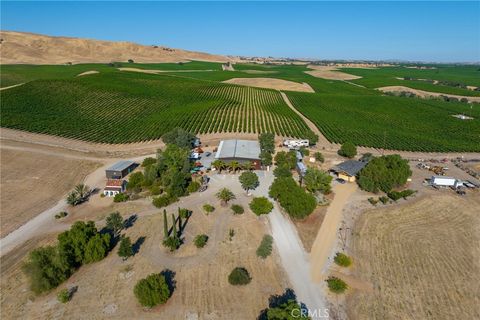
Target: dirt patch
422,259
32,182
258,71
330,73
155,71
86,73
426,94
308,227
271,83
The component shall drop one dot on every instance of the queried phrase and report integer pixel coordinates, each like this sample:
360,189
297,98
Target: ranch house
242,151
114,187
348,170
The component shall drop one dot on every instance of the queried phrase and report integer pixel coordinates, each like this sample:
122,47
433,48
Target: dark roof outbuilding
351,167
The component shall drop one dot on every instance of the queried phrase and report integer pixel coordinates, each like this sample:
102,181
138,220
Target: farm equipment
438,170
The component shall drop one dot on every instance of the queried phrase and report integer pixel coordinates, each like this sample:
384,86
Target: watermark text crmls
313,313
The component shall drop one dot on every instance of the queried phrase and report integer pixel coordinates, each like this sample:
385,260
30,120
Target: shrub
155,190
395,195
292,197
239,276
148,161
317,180
383,199
237,209
120,197
286,310
126,249
384,173
201,240
342,259
163,201
152,290
61,214
319,157
208,208
265,248
184,213
172,242
64,296
336,285
372,201
193,187
304,151
261,205
348,150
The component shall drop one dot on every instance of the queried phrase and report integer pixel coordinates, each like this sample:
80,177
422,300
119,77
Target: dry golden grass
421,258
271,83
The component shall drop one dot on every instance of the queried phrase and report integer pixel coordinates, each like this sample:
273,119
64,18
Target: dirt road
327,235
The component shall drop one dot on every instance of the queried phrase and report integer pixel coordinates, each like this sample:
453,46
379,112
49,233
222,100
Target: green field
126,107
119,106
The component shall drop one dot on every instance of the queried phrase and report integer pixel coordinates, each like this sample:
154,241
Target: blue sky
427,31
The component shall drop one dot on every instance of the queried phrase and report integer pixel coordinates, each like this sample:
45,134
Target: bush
304,151
237,209
63,296
342,259
336,285
184,213
120,197
373,201
286,310
296,202
261,205
193,187
208,208
163,201
172,242
155,190
239,276
348,150
319,157
61,214
384,173
265,248
201,240
383,199
148,161
135,181
152,290
395,195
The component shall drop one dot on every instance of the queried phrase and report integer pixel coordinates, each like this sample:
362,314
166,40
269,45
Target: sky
434,31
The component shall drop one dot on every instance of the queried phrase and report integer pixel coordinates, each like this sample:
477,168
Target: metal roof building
239,150
120,169
348,170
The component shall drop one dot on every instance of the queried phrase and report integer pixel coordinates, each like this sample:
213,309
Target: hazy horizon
437,32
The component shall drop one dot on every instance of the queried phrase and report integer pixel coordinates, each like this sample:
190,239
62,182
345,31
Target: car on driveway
341,181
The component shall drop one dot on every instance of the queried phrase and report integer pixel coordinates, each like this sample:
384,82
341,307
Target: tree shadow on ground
130,221
136,246
277,300
170,279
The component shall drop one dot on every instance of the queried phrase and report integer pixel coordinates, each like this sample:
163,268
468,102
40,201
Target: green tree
317,180
248,166
234,166
384,173
266,158
239,276
265,247
82,190
73,199
312,137
152,291
296,202
225,195
237,209
289,310
249,181
148,161
114,222
97,248
348,150
282,171
135,181
288,159
179,137
336,285
261,205
201,240
46,269
126,249
171,242
267,142
64,296
208,208
342,259
165,225
72,244
174,227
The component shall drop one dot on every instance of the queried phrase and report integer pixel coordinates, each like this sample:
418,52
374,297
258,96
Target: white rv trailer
296,144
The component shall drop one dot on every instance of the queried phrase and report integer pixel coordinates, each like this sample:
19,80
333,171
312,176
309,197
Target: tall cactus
174,226
165,224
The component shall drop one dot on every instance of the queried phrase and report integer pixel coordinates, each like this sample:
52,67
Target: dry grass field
421,258
105,289
330,73
271,83
32,182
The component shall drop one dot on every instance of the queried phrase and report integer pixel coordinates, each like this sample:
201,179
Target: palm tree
248,165
219,165
225,195
72,198
234,166
82,190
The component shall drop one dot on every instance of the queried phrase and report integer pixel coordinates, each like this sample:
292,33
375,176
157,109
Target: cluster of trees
293,198
384,173
316,180
79,195
348,150
47,267
267,148
289,310
179,137
172,236
286,159
265,247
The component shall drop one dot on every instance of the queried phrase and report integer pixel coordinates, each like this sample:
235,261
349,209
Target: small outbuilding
348,170
114,187
442,181
242,151
301,169
120,169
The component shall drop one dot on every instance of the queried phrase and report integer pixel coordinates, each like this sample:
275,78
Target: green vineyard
126,107
408,124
